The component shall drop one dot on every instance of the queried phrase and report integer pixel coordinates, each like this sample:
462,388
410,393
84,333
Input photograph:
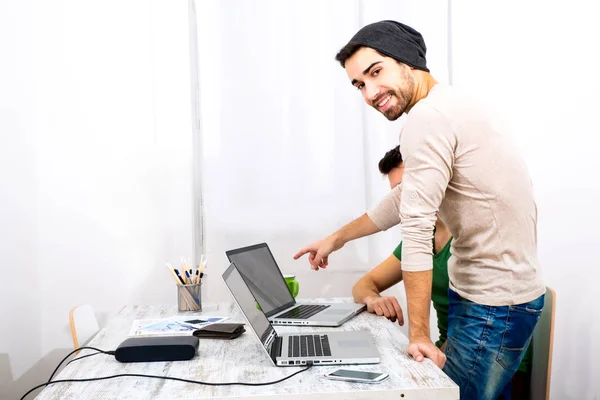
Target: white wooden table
242,359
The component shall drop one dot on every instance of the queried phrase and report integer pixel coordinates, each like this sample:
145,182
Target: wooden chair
83,324
543,341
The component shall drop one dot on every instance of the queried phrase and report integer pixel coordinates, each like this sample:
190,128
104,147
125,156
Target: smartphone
357,376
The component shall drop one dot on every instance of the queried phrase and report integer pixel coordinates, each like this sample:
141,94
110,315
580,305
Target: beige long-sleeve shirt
458,165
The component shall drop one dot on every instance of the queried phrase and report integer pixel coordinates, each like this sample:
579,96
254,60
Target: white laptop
318,348
263,276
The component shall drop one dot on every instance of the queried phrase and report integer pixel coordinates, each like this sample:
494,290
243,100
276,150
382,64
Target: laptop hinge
275,347
270,338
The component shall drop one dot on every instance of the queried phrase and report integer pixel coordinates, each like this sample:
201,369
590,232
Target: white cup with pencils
189,284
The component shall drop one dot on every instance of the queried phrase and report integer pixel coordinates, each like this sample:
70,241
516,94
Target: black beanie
395,40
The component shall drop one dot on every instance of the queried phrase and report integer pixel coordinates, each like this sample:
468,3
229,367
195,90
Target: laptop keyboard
303,311
308,346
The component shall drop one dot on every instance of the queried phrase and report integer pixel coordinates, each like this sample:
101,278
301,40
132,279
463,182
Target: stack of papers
178,325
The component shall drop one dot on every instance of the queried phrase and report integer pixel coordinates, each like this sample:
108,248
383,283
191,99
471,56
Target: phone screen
346,373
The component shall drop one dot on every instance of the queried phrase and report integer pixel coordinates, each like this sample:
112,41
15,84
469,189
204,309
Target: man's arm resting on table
367,290
418,295
428,145
380,278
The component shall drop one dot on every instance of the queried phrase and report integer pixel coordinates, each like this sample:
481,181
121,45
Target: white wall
20,311
95,115
537,63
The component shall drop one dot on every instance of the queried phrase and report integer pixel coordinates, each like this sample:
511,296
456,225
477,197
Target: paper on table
178,325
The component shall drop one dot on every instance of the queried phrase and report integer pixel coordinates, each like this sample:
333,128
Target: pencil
173,274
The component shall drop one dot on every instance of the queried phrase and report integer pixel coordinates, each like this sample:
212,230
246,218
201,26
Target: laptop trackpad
351,343
336,311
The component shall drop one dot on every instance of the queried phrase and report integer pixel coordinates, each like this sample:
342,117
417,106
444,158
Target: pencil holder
189,297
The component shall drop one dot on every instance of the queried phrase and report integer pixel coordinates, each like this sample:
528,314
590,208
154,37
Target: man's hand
423,347
319,251
386,306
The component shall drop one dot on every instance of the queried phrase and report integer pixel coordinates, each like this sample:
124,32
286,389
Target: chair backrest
543,341
83,324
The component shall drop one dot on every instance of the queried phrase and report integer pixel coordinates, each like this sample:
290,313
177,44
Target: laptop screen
263,277
243,297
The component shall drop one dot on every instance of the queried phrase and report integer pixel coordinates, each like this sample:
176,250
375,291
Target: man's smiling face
385,84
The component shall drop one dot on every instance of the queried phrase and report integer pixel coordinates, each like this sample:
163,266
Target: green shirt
439,296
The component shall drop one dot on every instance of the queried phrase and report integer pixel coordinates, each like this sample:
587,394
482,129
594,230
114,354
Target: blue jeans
486,344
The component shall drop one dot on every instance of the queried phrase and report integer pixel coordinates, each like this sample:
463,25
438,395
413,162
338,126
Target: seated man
367,290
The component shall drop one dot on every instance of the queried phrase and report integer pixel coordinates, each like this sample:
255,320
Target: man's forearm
363,289
418,296
360,227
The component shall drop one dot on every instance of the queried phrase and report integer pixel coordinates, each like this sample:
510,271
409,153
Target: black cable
75,351
309,366
79,358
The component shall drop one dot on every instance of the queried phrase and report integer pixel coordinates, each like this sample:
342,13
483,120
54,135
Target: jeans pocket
520,322
507,357
528,308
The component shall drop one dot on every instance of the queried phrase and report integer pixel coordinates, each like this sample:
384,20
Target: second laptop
264,278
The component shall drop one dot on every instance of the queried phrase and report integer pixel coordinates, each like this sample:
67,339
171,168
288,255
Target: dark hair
391,160
346,52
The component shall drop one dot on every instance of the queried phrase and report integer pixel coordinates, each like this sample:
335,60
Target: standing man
458,165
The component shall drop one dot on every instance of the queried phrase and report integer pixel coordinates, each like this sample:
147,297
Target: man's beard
403,100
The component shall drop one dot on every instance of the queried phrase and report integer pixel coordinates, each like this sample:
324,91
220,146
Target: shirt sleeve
398,252
427,146
385,214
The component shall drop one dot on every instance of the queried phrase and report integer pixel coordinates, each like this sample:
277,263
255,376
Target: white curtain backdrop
289,150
